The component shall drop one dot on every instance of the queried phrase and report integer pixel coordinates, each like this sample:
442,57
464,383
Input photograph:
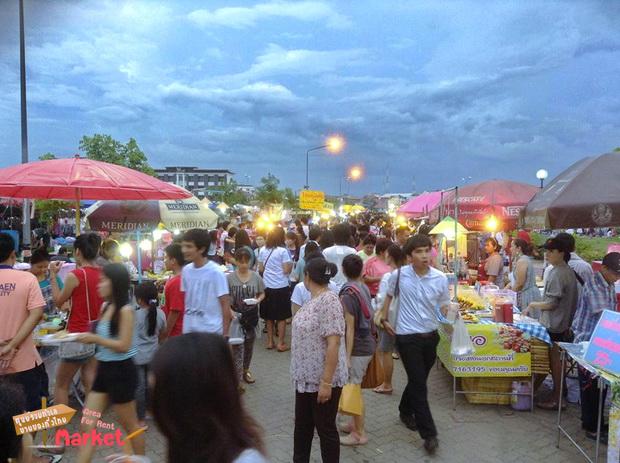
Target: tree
617,149
105,148
268,192
231,194
289,198
47,157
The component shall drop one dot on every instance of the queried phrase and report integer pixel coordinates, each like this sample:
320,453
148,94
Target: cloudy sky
427,94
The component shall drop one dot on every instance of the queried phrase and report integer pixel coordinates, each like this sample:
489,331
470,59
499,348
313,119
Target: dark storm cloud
423,92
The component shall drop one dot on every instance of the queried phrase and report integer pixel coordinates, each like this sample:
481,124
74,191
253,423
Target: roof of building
172,169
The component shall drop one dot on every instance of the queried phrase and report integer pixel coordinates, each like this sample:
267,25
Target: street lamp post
334,145
24,120
541,175
353,174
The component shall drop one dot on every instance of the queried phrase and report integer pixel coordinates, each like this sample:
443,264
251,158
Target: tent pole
138,236
456,241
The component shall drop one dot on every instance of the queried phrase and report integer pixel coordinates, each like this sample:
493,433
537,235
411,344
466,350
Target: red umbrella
78,178
502,199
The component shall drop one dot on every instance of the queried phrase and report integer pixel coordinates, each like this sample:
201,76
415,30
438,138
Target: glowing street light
541,175
334,144
355,173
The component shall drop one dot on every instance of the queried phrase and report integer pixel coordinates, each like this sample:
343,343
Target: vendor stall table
576,352
503,353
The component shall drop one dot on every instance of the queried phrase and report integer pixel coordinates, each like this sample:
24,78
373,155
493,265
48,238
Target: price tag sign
311,200
604,348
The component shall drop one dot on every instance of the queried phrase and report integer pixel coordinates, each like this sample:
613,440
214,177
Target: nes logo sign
511,211
180,206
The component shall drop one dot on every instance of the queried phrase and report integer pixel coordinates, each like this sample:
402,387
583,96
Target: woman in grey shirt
494,264
524,277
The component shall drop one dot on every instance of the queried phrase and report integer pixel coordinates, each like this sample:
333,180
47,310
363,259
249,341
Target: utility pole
24,120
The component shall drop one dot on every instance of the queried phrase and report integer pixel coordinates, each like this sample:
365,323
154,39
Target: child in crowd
245,284
150,330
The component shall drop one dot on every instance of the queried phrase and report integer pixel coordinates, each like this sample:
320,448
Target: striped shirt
596,295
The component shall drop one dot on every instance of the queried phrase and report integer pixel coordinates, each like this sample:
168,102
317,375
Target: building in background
198,181
249,190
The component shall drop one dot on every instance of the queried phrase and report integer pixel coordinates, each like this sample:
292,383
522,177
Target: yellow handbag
351,402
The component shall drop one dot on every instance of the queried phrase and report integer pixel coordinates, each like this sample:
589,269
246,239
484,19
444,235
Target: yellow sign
500,350
311,200
45,418
327,205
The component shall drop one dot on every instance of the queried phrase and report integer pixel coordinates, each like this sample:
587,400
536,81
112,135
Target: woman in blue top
116,379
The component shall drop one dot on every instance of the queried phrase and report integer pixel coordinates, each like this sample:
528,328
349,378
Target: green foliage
230,194
105,148
290,198
268,192
48,210
587,248
47,157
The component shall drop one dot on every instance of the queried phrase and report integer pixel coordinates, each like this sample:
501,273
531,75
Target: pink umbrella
78,178
420,205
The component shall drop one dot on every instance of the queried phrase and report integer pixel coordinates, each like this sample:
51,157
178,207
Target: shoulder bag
392,315
73,350
265,264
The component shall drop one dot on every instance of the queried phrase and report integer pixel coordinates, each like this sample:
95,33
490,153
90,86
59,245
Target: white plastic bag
235,332
461,342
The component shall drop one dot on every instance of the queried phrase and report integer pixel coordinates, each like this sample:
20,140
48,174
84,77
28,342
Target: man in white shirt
422,291
336,254
207,305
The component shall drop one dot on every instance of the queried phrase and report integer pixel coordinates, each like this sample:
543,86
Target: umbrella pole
78,218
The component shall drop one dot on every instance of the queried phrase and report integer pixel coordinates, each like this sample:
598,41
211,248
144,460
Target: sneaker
409,421
430,445
353,440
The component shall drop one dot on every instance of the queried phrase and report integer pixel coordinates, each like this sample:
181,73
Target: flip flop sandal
380,390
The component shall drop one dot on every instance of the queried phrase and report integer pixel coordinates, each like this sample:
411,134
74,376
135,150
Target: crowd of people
349,291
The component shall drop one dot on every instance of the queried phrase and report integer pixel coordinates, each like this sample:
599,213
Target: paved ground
481,433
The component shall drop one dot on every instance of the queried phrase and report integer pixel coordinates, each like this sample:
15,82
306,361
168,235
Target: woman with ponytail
116,378
150,330
318,364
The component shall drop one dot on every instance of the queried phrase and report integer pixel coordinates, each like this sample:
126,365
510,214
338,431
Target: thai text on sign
311,200
604,348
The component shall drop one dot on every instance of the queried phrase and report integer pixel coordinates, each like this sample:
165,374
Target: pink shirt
313,323
375,267
19,294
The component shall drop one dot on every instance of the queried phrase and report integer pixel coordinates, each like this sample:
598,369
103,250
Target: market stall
505,354
493,205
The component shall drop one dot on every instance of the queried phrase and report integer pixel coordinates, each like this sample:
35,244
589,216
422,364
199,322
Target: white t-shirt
223,237
335,255
419,299
274,276
203,287
250,456
301,295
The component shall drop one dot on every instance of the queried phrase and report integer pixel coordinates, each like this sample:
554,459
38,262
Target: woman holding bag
360,338
318,364
386,347
80,287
